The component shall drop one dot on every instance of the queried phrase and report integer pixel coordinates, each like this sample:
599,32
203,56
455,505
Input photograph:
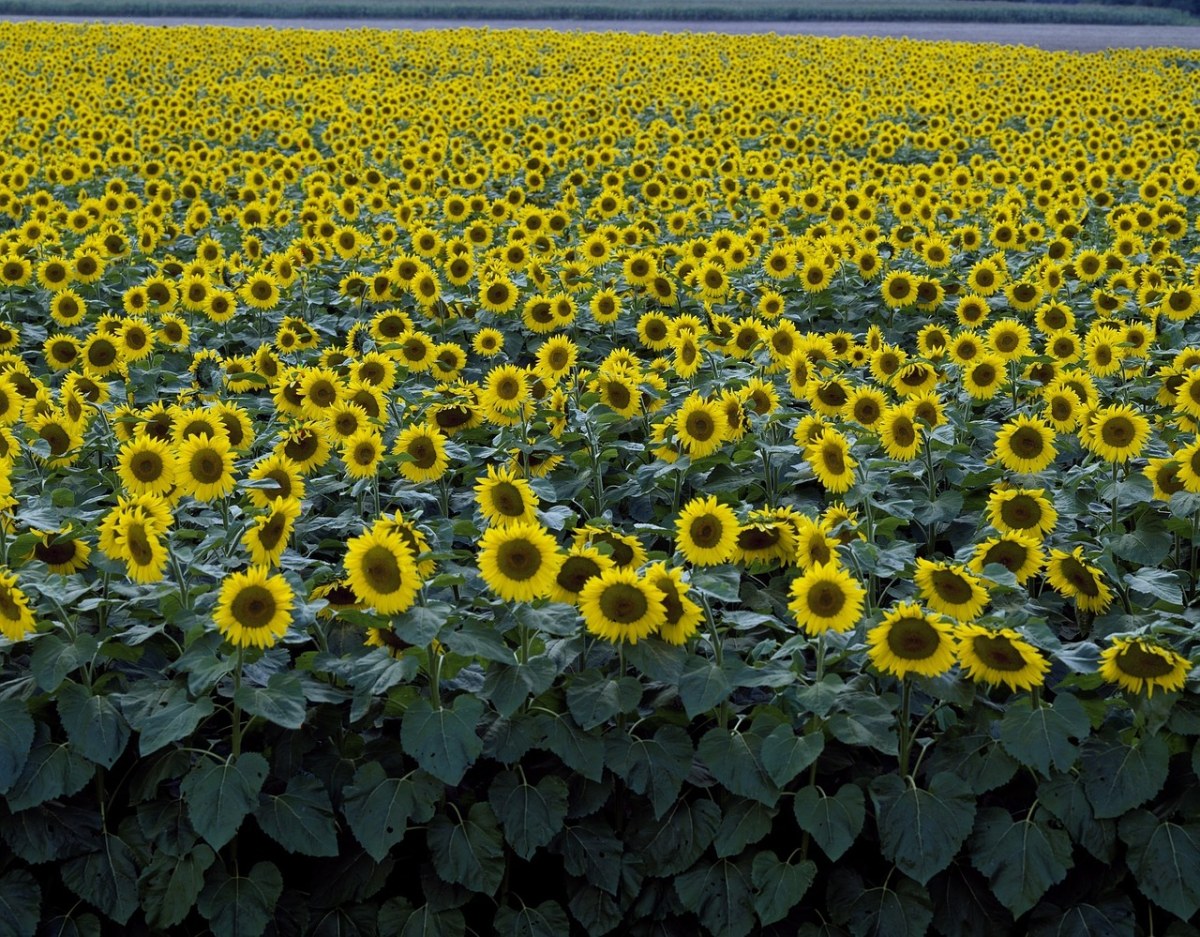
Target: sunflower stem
1035,697
1113,525
435,677
904,727
236,733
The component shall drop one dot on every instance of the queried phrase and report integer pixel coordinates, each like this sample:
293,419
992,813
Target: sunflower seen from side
1071,576
1000,656
1142,665
16,618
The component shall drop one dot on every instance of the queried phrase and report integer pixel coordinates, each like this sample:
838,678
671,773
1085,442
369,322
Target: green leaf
744,822
977,759
51,832
722,583
1148,544
53,770
678,839
301,818
1064,796
378,808
594,698
509,686
733,759
548,919
922,830
443,741
903,911
656,766
240,905
219,794
95,728
595,909
1156,584
20,904
1040,736
720,895
1022,858
281,701
785,754
421,623
53,658
1110,918
73,924
866,720
398,917
702,685
530,815
779,886
834,822
171,884
1165,860
16,739
107,879
468,850
162,713
578,750
591,852
1119,777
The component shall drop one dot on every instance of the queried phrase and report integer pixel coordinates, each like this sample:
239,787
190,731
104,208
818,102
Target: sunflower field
533,483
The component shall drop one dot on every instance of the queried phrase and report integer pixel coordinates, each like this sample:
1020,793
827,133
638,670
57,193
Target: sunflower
765,540
910,640
619,605
1061,407
618,390
267,537
1140,665
1009,340
1000,655
16,620
382,571
519,561
146,466
504,498
306,445
254,608
62,434
1070,576
60,551
626,550
700,426
425,450
950,589
498,296
983,377
1025,445
488,342
826,598
1165,477
261,291
683,616
276,477
814,545
1019,554
831,462
362,453
582,563
899,289
1116,433
1021,511
706,531
204,467
865,406
899,434
135,540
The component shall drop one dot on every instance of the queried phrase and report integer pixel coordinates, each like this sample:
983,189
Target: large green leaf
594,698
95,728
779,886
52,770
1113,917
977,759
162,712
898,908
301,818
702,685
833,821
655,766
963,903
733,758
53,658
548,919
240,905
1064,796
1119,777
785,753
398,917
468,850
281,701
744,822
378,808
1040,736
107,879
595,909
530,814
675,841
720,895
578,750
508,686
1165,860
20,904
16,739
171,884
51,832
219,794
591,852
922,830
1022,857
443,741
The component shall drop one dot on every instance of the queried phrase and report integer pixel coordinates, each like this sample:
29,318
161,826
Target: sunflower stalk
235,740
435,677
904,726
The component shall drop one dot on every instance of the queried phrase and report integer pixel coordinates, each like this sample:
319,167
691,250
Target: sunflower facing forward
826,598
382,571
910,640
519,561
1070,576
254,608
619,605
1117,433
1000,655
950,589
706,531
1025,445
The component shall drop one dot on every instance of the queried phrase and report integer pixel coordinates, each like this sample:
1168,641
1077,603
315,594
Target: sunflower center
102,353
302,448
364,453
758,538
951,587
700,426
833,458
1136,661
8,606
507,499
1027,443
272,531
903,431
1117,431
57,437
998,653
826,599
1008,554
518,559
146,466
1061,409
253,607
1080,577
207,467
423,453
866,412
622,553
381,570
623,603
1168,479
706,531
138,545
984,375
322,393
55,554
913,639
833,395
575,572
1021,512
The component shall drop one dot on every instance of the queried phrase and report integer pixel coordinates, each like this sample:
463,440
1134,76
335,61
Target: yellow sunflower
16,620
505,498
1070,576
1021,555
146,466
382,571
826,598
519,561
1116,433
831,462
1141,665
60,551
910,640
1021,511
700,426
899,434
254,608
1025,444
1000,655
706,531
950,589
204,467
582,563
683,616
619,605
267,537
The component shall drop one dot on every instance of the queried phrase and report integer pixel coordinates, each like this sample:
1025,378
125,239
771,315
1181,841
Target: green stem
236,736
904,727
1113,524
435,677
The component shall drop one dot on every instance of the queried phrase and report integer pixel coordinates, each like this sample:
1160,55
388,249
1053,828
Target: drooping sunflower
826,598
268,536
1000,655
683,616
519,561
706,531
382,571
146,466
911,640
16,619
1071,576
204,467
950,589
505,498
831,461
700,426
1021,511
1021,555
1140,665
619,605
1025,444
61,551
254,608
1116,433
